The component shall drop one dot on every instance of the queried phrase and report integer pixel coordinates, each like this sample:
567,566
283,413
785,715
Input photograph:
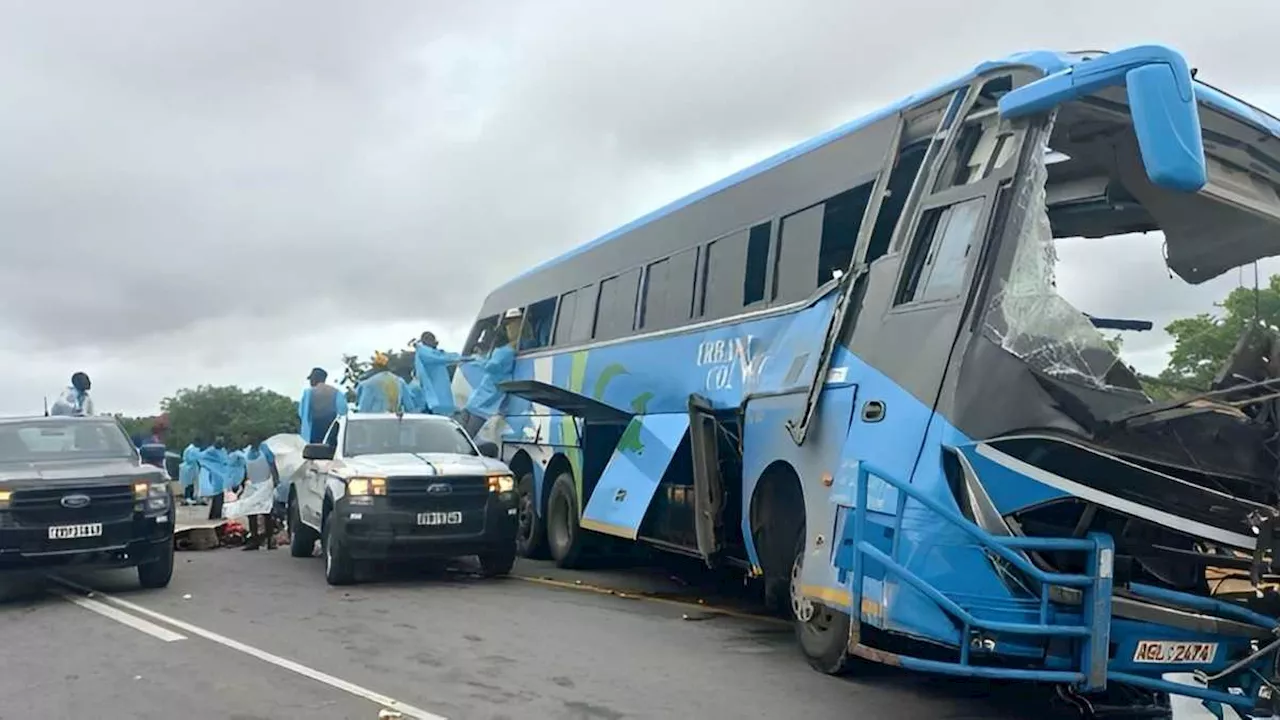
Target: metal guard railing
1094,631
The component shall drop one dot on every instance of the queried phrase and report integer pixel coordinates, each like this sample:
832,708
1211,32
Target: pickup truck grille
44,506
412,493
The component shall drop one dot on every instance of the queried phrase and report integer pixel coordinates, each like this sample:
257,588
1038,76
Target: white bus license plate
453,517
72,532
1173,652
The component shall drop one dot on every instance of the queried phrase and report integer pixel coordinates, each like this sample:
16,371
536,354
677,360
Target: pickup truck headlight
367,486
152,496
4,498
501,482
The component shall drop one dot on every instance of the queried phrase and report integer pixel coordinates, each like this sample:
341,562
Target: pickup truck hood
401,464
77,472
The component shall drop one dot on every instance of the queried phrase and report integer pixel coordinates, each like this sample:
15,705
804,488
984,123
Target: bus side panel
765,441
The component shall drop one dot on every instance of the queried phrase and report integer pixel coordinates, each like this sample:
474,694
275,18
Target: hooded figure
75,399
486,399
320,405
383,391
431,365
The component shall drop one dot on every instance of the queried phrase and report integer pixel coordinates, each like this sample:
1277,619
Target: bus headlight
501,483
367,486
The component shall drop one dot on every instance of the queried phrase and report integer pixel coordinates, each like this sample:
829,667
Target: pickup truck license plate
1173,652
71,532
453,517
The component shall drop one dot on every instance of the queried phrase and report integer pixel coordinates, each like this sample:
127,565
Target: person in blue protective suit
320,405
189,470
486,399
383,391
260,470
75,400
216,469
431,365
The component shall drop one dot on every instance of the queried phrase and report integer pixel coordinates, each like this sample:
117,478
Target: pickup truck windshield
383,436
54,441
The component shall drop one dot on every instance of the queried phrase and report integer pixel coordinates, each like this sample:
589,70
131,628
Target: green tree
241,416
1203,342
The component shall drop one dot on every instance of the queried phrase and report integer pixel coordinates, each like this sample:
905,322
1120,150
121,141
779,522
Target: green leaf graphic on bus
607,375
630,440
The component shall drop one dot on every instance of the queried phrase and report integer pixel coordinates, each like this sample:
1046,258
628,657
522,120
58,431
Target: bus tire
565,537
824,636
531,534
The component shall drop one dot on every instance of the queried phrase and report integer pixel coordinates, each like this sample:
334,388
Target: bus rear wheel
822,632
565,537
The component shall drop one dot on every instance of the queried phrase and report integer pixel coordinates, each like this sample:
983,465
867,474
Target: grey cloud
167,164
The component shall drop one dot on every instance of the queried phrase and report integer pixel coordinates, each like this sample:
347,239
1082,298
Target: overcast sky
216,191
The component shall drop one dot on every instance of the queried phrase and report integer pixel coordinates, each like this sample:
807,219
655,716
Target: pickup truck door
311,494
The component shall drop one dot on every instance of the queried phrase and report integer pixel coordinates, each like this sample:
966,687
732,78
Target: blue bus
848,371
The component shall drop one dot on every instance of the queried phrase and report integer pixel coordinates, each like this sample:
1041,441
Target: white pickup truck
389,487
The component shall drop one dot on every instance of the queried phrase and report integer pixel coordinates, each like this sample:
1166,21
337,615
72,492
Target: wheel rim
525,530
801,607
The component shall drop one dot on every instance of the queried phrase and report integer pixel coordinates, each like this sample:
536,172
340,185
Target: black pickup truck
75,491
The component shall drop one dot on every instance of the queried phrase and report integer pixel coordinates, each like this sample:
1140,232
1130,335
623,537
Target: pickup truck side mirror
317,451
488,449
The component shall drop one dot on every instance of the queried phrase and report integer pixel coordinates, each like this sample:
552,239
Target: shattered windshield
1029,318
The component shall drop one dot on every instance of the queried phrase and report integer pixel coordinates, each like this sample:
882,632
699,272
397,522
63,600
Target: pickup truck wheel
157,573
302,539
531,535
498,562
339,568
565,537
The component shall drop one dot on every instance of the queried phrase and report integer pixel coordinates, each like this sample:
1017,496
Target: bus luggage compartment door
621,497
708,486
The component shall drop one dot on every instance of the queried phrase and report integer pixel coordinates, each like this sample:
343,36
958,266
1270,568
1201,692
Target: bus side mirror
488,449
1162,106
317,451
1168,128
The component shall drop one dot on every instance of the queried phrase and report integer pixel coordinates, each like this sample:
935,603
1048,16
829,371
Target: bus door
708,484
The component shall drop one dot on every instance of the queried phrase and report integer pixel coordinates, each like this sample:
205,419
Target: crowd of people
429,391
246,468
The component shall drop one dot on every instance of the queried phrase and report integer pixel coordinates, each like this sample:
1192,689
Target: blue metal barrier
1094,628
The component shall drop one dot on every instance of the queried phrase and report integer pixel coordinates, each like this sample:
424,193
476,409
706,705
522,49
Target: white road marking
407,711
123,618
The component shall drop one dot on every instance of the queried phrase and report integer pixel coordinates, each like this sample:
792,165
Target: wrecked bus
847,370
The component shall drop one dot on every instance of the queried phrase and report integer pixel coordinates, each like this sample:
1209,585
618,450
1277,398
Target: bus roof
1047,61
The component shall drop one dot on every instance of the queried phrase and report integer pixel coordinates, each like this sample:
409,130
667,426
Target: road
259,635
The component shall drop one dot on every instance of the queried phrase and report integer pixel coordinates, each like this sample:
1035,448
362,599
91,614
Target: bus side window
564,318
616,309
481,337
584,314
944,243
537,324
736,272
666,299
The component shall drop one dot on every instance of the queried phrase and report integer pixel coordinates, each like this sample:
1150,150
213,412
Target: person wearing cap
383,391
320,405
75,400
486,399
431,365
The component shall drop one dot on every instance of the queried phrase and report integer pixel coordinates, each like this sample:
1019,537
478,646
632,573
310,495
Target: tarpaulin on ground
286,449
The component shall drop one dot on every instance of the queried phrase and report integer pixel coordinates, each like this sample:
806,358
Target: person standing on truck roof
75,400
431,364
383,391
486,399
320,405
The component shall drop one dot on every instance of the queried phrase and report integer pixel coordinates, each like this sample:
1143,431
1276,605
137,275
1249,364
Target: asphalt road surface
251,636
